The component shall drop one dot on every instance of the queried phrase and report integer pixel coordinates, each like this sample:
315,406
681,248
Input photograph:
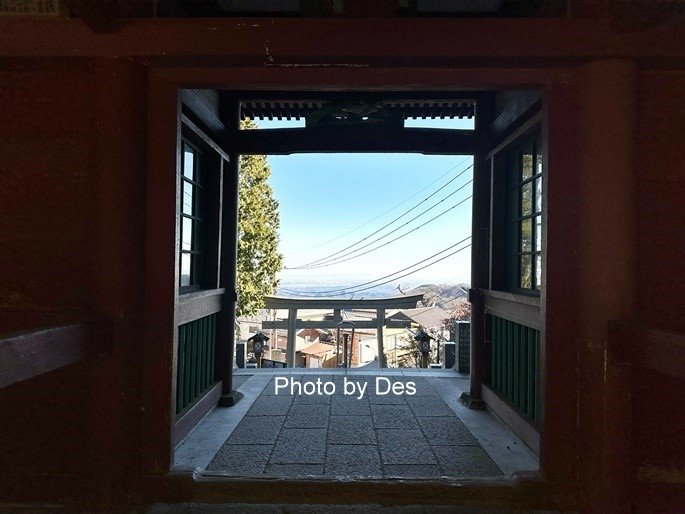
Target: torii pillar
380,323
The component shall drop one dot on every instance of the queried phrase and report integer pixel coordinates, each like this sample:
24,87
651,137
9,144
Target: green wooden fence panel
195,360
188,364
515,365
496,339
201,355
203,351
212,350
516,371
181,368
523,383
530,389
538,393
509,343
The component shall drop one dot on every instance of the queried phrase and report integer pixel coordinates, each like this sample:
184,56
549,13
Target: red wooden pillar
225,342
480,242
161,275
606,257
120,108
559,432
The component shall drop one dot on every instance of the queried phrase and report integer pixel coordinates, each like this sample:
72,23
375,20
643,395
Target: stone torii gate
292,324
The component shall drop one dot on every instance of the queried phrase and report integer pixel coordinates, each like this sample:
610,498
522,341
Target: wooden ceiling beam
300,42
355,139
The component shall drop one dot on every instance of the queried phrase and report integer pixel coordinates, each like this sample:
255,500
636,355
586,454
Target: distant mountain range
445,296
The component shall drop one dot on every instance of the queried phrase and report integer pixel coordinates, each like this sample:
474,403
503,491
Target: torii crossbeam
336,304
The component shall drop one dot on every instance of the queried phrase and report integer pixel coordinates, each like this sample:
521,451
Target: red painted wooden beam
29,354
342,41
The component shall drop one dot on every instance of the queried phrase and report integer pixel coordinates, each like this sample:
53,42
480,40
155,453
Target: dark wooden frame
356,139
501,258
205,297
213,159
522,309
195,412
557,450
28,354
197,219
513,214
517,422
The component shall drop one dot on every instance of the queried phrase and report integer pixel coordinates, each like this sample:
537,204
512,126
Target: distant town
443,304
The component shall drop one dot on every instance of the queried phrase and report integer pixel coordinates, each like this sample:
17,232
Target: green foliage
258,222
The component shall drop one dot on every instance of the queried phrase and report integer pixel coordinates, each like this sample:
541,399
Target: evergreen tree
258,222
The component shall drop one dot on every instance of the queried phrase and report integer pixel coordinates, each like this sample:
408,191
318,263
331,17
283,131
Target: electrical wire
406,274
391,274
337,254
350,257
384,212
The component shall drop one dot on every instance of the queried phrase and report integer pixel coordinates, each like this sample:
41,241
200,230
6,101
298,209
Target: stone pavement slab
351,430
294,470
429,406
404,447
243,460
466,461
345,405
270,406
425,435
353,460
257,430
307,416
446,431
300,446
393,416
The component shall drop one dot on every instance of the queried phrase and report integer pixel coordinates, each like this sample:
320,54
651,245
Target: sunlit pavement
297,423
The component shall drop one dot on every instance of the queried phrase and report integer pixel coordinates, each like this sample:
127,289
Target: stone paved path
400,436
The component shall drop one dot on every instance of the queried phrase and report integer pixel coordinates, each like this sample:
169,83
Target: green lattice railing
195,368
515,371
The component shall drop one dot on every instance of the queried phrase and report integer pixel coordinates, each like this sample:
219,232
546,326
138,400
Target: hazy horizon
344,217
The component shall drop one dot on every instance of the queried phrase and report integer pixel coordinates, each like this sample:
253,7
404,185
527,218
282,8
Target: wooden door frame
559,429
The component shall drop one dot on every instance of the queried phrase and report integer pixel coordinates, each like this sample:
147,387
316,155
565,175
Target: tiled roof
428,317
317,349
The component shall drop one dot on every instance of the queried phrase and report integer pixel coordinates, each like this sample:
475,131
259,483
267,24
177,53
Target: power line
394,273
337,259
350,256
416,270
384,212
411,272
337,254
408,274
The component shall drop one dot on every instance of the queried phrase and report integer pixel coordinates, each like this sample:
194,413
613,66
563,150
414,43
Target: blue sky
326,197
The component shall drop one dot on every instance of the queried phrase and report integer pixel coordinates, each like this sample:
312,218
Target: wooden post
161,276
557,410
225,337
292,329
380,323
606,260
479,253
